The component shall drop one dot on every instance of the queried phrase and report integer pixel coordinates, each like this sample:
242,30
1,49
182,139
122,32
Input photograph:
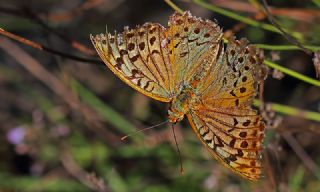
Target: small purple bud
16,135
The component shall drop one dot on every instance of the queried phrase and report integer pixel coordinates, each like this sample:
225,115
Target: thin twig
252,6
243,19
21,39
26,13
174,6
284,33
301,153
74,169
47,49
268,168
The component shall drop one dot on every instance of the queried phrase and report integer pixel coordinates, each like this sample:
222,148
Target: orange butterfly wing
193,45
223,119
138,58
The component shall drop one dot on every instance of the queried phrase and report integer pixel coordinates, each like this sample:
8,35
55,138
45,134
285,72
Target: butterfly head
175,116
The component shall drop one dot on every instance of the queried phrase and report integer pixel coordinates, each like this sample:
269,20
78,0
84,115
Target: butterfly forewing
190,40
136,56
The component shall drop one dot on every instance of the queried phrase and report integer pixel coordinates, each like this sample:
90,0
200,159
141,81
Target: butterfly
187,65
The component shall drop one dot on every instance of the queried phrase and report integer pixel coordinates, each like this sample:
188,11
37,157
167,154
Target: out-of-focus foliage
71,142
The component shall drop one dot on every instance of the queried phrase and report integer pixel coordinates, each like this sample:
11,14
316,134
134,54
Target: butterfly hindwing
232,138
223,118
234,79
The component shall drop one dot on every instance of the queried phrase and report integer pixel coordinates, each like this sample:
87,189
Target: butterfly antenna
175,140
144,129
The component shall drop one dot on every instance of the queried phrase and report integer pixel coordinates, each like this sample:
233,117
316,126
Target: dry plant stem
244,19
20,39
301,153
72,42
28,14
268,170
261,93
46,49
36,69
77,172
253,6
284,33
174,6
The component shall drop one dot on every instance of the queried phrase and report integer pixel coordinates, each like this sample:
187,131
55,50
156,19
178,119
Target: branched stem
287,110
286,47
293,73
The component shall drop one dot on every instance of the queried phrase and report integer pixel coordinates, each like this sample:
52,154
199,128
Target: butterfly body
187,65
181,103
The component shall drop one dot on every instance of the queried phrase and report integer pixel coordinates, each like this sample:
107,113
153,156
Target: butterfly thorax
180,104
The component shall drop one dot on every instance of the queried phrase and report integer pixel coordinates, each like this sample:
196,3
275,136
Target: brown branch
26,13
47,49
21,39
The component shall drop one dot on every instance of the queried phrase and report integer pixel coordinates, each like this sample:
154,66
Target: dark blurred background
61,120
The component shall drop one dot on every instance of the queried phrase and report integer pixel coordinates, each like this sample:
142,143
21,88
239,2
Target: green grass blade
107,112
246,20
293,73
